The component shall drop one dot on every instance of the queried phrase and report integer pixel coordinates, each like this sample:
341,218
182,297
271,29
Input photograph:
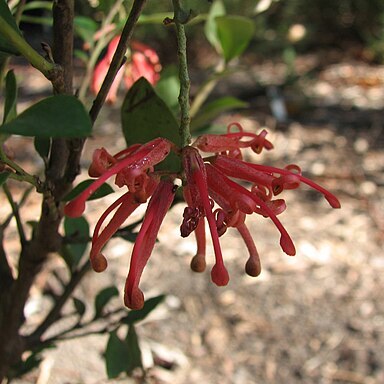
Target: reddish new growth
211,192
143,62
209,189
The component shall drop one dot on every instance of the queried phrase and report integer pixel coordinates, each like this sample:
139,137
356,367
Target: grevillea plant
160,161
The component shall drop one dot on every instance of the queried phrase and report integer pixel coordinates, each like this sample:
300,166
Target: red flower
133,168
143,62
210,181
209,191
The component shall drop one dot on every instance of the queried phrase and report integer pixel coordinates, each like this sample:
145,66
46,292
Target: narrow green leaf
55,116
10,111
210,28
134,355
104,190
79,306
116,356
145,116
6,15
76,230
103,298
214,109
149,305
235,33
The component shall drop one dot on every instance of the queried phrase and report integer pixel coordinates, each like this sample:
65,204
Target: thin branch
118,58
23,199
55,312
99,46
16,214
185,83
21,174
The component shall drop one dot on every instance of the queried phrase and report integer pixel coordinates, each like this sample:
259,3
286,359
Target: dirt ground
315,318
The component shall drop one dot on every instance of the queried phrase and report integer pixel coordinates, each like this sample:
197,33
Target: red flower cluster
143,62
209,190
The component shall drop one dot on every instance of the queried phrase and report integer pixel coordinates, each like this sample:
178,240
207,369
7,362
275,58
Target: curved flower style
210,191
143,62
209,182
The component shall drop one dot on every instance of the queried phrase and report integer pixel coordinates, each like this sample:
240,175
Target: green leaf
77,230
10,97
168,87
134,356
116,356
141,314
210,28
6,15
79,306
42,146
122,355
3,177
214,109
102,299
145,116
55,116
104,190
235,33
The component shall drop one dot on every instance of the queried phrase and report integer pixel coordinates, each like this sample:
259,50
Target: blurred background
313,76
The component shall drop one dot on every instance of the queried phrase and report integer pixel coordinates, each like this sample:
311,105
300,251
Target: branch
97,48
68,334
15,211
63,15
118,58
23,199
55,312
185,83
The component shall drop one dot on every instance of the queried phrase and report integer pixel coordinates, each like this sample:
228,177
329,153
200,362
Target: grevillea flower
143,62
211,192
133,168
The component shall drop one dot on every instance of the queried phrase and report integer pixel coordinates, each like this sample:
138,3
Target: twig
19,205
15,212
118,58
100,44
185,84
55,312
66,334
